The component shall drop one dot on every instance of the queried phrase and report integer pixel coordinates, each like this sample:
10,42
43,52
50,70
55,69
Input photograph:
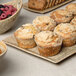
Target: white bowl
6,24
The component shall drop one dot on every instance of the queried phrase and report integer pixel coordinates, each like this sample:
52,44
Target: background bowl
6,24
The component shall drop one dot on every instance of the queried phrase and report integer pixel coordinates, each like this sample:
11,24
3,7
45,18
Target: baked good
48,43
24,36
61,16
42,4
67,32
71,8
73,21
44,23
2,47
37,4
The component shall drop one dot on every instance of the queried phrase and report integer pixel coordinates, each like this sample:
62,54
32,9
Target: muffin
67,32
61,16
71,8
3,47
73,21
44,23
24,36
49,44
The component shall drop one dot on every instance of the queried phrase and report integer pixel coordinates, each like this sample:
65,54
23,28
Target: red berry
10,7
3,9
13,12
3,16
14,9
6,8
8,12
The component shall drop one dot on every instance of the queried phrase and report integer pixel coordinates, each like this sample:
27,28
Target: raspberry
8,12
3,9
11,8
6,8
13,12
3,16
14,9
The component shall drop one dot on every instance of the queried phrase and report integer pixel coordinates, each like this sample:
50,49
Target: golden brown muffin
73,21
67,32
44,23
3,47
71,8
61,16
24,36
48,43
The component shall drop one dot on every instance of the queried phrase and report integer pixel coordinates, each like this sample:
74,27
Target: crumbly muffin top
63,12
71,7
47,39
73,21
27,31
44,23
65,30
61,15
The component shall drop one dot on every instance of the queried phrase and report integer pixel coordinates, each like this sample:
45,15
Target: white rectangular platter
65,52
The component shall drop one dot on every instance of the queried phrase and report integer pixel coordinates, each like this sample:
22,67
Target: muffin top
44,23
61,16
47,39
2,47
73,21
27,31
65,30
71,8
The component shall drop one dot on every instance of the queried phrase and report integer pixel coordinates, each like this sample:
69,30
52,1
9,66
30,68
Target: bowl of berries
9,13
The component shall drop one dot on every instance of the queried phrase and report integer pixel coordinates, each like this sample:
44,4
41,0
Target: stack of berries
6,11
